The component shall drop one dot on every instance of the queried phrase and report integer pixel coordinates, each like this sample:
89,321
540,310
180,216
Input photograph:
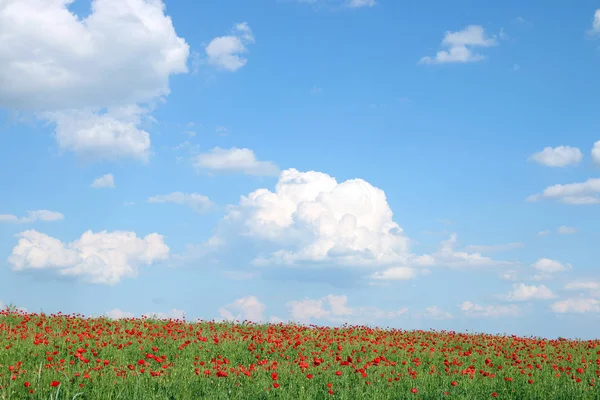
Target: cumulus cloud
227,52
172,314
560,156
590,286
104,182
311,219
550,266
523,292
494,247
545,232
580,193
335,309
103,257
490,311
235,160
89,76
33,216
460,46
596,152
197,202
246,308
566,230
576,306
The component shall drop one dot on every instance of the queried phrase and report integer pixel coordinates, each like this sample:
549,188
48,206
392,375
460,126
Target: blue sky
414,165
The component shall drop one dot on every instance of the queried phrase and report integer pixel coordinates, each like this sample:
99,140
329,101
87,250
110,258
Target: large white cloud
103,257
460,46
350,222
312,219
579,193
560,156
68,69
595,30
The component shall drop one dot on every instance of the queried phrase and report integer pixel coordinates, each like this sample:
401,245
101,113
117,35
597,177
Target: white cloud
348,222
335,309
448,256
566,230
172,314
543,233
246,308
103,257
580,193
235,160
110,134
33,216
118,314
576,306
560,156
89,76
523,292
492,311
197,202
434,313
395,273
104,182
494,247
360,3
591,286
596,152
547,265
595,30
227,51
460,46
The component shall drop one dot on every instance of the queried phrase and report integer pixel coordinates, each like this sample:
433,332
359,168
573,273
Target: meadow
61,356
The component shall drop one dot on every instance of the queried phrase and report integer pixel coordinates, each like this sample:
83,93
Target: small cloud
580,193
545,232
119,314
189,133
221,131
494,247
523,292
516,67
316,90
576,306
197,202
395,273
246,308
460,46
490,311
560,156
33,216
434,313
547,265
566,230
235,160
226,52
360,3
104,182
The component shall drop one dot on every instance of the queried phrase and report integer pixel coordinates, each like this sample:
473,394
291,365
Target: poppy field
73,357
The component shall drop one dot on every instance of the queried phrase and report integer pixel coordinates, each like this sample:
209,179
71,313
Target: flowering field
70,356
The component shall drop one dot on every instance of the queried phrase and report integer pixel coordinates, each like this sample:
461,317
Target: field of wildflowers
72,357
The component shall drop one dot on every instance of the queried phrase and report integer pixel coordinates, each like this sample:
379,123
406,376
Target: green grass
119,362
